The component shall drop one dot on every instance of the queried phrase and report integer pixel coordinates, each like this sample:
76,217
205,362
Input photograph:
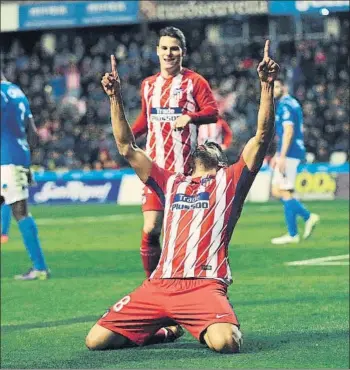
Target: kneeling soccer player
189,285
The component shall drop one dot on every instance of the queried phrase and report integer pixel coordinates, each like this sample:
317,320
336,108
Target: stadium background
57,52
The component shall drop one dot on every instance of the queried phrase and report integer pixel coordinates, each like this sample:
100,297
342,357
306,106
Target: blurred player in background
189,285
16,117
219,132
290,152
174,103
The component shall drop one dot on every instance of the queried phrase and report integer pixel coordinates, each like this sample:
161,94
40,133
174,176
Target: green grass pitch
291,316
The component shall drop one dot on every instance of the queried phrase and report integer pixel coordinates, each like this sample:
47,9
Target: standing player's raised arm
255,150
124,138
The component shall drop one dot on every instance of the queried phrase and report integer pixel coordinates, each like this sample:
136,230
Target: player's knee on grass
100,338
20,209
223,338
152,222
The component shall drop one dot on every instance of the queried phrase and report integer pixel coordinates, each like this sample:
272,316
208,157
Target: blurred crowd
60,73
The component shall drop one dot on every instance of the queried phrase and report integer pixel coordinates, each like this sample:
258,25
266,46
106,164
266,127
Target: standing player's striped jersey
218,132
163,101
200,215
15,112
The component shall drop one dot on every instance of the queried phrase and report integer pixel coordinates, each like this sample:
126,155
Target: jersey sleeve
208,109
140,125
158,180
242,178
287,115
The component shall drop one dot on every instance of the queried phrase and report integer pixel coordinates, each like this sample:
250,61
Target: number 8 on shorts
120,304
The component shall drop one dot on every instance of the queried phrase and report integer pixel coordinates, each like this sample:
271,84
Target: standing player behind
15,161
174,98
290,151
189,285
218,132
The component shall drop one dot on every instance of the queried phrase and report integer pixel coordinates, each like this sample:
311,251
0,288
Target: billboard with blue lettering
74,191
294,7
48,14
107,12
54,14
320,181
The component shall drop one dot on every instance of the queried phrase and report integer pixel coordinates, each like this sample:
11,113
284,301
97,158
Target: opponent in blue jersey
290,152
16,117
5,223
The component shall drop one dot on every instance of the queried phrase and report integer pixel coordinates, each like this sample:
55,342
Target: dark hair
210,162
222,158
176,34
281,80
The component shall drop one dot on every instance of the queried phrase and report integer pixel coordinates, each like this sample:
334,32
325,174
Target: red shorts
195,304
150,200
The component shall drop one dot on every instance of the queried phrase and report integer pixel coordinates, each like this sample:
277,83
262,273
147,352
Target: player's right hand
110,81
268,69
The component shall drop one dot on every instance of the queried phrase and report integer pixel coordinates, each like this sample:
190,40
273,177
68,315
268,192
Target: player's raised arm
139,127
124,138
255,150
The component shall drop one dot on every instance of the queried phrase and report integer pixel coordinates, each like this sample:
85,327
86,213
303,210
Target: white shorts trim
286,181
14,183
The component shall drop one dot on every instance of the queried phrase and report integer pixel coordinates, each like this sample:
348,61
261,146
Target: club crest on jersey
190,202
165,114
177,93
206,181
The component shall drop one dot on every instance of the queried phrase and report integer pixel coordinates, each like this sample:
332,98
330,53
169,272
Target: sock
5,219
163,335
290,216
30,237
150,252
300,209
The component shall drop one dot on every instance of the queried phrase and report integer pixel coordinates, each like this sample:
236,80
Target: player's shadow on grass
86,359
183,350
186,351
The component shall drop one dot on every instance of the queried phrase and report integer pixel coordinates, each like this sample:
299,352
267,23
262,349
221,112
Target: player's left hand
181,122
268,69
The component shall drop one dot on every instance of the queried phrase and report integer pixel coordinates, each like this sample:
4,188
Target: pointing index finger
114,66
267,49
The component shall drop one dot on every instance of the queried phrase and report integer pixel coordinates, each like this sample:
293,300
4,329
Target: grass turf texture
291,316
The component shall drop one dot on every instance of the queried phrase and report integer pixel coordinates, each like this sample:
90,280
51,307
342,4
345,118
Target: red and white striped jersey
200,215
219,132
163,101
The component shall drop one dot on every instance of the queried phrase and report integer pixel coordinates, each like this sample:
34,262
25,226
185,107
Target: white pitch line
322,260
339,263
85,219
